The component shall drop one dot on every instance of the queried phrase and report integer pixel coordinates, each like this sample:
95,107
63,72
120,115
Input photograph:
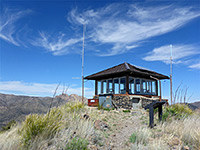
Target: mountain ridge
16,107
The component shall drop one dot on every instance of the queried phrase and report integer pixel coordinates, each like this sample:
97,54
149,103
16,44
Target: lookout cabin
128,85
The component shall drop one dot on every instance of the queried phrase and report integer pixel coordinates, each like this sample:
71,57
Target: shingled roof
125,69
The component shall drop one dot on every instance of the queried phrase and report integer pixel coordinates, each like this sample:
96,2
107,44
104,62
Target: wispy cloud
195,66
8,25
39,89
58,45
116,25
119,28
180,53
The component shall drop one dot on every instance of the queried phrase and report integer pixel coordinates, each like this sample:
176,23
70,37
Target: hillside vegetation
74,126
17,107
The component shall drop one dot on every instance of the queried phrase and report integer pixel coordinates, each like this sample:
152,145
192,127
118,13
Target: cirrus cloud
8,25
119,27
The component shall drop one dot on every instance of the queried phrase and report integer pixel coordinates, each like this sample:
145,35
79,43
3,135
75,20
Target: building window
99,87
122,85
153,87
104,86
116,86
137,86
148,87
144,87
110,89
131,85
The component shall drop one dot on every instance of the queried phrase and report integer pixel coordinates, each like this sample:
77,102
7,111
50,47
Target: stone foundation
123,102
129,101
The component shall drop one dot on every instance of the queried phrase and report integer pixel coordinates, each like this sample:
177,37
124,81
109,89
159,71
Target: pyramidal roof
126,69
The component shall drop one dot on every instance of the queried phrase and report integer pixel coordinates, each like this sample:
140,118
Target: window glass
116,86
99,87
149,87
110,90
122,85
131,85
137,82
104,83
154,87
144,88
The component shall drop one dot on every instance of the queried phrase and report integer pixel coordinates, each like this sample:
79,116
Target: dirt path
121,127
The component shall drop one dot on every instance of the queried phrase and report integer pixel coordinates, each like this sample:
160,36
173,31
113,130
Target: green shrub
127,111
9,125
132,138
77,144
165,116
100,107
74,107
177,110
107,109
155,110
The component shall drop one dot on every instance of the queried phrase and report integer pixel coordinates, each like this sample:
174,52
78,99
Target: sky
41,43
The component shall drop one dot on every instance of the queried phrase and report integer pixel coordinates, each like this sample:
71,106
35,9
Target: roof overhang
126,69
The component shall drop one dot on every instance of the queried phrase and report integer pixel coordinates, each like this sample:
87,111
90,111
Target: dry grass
50,131
57,129
143,135
175,133
188,130
10,140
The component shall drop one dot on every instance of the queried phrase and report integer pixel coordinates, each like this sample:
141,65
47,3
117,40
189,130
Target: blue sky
41,43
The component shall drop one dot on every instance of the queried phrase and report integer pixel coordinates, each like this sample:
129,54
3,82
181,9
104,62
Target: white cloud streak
8,25
195,66
39,89
116,25
57,45
179,52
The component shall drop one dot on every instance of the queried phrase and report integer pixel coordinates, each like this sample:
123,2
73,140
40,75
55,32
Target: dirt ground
121,125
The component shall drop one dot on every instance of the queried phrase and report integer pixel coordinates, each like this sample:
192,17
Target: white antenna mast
84,28
171,73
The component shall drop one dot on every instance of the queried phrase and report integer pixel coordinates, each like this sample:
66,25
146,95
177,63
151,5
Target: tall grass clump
40,125
74,107
45,126
77,143
188,130
61,128
177,110
10,139
9,125
141,135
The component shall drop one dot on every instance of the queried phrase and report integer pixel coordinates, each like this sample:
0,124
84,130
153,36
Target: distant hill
13,107
195,105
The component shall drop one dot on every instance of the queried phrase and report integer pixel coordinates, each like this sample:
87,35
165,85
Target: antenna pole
171,73
84,28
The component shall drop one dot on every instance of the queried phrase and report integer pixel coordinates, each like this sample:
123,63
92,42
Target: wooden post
151,117
160,90
156,87
96,87
160,113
